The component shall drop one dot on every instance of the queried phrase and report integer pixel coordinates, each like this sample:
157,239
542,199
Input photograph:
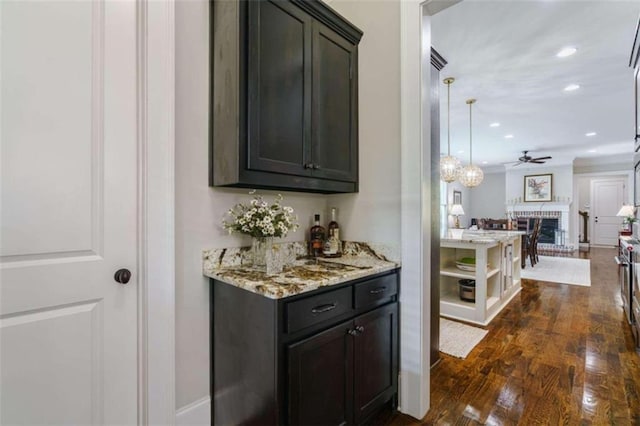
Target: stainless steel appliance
467,289
629,273
625,261
634,296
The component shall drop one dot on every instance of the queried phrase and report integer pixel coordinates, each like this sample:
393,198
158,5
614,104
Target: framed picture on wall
538,187
457,197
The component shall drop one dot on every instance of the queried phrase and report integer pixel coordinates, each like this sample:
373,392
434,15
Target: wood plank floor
557,354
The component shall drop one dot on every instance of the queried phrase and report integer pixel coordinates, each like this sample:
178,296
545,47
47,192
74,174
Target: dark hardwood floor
557,354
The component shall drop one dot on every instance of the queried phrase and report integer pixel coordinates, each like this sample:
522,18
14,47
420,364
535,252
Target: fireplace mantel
535,207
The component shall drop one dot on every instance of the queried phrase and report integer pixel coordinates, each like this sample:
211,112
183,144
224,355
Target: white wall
582,199
199,208
373,214
467,205
488,199
562,185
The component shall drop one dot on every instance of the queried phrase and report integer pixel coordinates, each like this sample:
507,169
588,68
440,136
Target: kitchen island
315,344
496,273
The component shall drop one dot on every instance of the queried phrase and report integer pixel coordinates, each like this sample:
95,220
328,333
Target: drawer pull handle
324,308
378,290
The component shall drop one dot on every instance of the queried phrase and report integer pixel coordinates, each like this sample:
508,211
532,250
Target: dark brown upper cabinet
284,96
634,62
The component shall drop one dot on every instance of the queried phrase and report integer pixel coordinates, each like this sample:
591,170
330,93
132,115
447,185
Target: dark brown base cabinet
295,361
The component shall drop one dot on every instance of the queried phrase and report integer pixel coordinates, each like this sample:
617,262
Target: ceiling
503,53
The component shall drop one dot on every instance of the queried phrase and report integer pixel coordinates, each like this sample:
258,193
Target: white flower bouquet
260,219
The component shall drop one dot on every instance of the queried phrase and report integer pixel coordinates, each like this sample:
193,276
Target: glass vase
259,248
267,256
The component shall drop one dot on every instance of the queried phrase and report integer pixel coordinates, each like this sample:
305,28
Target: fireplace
554,227
550,232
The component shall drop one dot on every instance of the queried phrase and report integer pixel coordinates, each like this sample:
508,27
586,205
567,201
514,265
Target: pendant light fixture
471,175
450,166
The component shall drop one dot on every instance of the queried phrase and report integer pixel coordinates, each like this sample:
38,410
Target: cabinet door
376,360
321,378
334,107
637,105
279,88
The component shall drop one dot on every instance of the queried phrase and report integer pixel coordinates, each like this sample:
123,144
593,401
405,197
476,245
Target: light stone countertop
480,237
232,266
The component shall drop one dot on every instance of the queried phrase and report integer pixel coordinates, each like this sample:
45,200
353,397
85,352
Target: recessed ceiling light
461,151
494,125
571,87
566,51
508,136
485,162
593,150
590,134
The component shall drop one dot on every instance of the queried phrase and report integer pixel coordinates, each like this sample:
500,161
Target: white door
68,155
607,196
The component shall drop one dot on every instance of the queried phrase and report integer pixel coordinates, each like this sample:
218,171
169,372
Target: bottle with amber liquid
333,246
316,238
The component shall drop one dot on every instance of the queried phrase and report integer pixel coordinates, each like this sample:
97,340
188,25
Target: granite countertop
480,237
302,274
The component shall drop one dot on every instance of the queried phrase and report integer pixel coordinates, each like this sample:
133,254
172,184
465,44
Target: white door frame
575,207
156,242
626,194
415,59
415,298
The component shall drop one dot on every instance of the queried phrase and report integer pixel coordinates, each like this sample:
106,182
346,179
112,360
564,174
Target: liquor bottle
335,245
317,236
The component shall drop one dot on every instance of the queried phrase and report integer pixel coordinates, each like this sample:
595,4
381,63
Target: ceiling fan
529,159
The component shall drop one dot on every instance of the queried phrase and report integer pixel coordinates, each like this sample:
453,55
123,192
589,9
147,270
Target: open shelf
494,287
452,271
457,273
454,299
491,301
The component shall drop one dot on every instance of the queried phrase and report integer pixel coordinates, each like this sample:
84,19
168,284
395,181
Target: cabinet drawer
376,291
315,309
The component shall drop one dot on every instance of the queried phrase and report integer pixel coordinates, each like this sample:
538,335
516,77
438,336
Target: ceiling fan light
450,168
471,176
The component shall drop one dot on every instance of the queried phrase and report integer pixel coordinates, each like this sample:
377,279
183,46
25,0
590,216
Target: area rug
457,339
563,270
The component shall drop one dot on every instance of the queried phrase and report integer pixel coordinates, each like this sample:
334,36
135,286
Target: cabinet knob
315,166
356,331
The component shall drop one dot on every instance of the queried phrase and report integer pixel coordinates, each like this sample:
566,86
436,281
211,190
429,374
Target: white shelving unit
496,283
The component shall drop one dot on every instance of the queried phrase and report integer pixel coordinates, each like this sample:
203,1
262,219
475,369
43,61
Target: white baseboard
197,413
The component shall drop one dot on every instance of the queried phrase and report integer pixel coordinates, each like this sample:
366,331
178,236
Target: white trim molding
197,413
415,297
156,165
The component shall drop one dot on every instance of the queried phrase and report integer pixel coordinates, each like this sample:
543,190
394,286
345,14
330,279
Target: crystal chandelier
450,166
471,175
